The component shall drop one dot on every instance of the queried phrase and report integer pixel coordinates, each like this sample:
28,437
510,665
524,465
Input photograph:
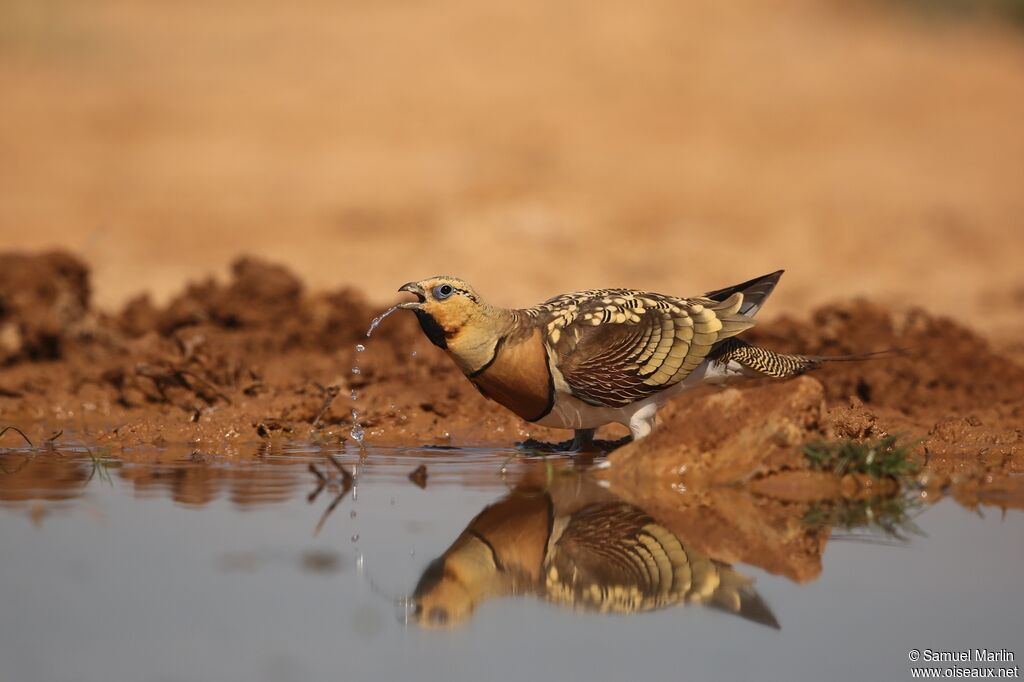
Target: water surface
185,569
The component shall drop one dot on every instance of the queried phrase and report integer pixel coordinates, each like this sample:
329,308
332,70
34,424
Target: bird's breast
518,377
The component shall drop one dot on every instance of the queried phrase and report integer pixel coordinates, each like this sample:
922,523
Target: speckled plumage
619,346
593,357
761,360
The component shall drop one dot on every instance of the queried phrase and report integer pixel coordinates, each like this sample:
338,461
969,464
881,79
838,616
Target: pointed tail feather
735,593
781,365
755,292
747,604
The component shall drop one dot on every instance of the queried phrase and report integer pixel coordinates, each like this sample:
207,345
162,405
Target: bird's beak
417,291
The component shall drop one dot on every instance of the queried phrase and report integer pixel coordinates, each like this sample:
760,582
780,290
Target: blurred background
532,147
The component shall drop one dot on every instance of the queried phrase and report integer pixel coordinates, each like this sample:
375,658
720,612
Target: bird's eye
443,291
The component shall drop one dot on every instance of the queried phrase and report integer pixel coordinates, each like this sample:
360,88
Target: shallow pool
194,568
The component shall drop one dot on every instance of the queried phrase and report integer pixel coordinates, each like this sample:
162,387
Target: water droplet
360,348
355,396
356,370
412,552
357,429
412,354
355,538
352,514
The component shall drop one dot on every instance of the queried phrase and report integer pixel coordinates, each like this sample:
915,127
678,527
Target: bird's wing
613,557
614,347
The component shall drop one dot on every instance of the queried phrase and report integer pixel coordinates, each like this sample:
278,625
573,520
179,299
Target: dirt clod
419,476
44,304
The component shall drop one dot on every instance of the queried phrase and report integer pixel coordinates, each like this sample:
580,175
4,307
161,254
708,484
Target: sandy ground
261,359
531,149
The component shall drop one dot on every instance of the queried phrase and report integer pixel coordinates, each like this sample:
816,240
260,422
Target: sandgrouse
582,360
570,542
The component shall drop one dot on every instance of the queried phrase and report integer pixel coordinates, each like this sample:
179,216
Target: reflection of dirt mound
258,357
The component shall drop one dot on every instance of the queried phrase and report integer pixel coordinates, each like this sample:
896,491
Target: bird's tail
768,363
736,594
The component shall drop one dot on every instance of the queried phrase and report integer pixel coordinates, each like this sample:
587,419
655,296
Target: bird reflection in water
574,543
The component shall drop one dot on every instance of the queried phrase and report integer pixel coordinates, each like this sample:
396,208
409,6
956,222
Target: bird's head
453,584
442,599
449,311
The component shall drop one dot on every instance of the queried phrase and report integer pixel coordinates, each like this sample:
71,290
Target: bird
575,544
582,360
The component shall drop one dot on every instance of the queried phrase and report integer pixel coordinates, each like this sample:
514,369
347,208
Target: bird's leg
583,440
642,422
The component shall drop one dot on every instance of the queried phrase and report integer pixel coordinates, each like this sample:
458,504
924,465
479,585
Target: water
377,320
357,432
176,570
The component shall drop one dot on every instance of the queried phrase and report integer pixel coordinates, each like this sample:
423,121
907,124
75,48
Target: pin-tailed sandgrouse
582,360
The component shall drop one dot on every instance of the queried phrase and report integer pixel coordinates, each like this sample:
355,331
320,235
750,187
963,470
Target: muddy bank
262,358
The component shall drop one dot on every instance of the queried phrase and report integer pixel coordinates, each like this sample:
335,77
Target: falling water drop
357,428
355,396
356,370
355,538
360,348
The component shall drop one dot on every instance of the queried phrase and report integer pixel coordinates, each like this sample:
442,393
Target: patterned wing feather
613,557
616,346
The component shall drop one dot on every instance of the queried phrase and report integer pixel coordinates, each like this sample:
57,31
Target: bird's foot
582,446
532,446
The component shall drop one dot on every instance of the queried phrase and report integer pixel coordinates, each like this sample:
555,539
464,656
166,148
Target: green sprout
880,458
101,465
890,516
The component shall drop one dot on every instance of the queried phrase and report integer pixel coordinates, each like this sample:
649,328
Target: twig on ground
17,431
329,393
